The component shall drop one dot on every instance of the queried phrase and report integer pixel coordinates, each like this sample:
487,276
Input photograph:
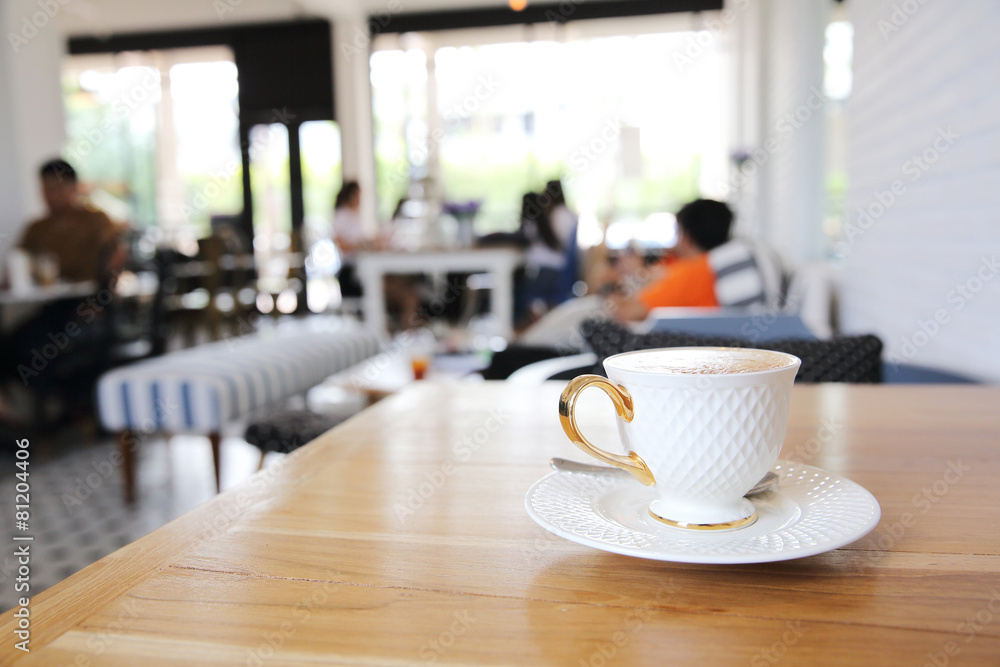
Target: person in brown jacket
86,246
81,238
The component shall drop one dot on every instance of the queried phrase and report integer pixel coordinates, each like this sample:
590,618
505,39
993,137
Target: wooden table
500,263
400,538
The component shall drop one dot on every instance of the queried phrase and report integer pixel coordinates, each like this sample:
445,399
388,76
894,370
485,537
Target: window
837,81
156,136
629,132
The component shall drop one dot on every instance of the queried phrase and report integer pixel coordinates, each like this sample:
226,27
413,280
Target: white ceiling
82,17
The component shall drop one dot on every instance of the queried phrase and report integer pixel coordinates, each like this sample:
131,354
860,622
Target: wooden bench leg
126,447
216,439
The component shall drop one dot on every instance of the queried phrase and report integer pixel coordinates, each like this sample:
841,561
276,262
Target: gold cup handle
623,406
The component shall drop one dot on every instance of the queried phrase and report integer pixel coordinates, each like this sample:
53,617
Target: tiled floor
77,515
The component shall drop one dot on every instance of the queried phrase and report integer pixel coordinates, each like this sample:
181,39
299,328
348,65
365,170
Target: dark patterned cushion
289,429
855,359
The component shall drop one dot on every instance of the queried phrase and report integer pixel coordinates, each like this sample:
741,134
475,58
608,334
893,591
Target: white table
16,304
500,263
40,294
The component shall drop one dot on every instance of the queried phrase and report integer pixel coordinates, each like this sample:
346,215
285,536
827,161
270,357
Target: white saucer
809,512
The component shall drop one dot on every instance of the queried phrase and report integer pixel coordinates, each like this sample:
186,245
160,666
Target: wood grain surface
400,538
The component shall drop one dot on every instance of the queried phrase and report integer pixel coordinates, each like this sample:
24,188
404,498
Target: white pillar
170,193
435,124
12,210
748,70
32,128
794,187
781,120
352,99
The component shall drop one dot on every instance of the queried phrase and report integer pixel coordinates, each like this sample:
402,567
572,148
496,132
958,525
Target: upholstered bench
200,389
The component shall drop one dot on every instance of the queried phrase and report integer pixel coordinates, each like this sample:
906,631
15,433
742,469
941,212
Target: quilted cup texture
706,444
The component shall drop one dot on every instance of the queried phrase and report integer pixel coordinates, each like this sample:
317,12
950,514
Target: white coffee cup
702,424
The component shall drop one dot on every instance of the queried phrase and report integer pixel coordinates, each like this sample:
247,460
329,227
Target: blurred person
548,227
685,278
82,239
564,224
87,246
402,294
706,269
562,220
402,291
349,237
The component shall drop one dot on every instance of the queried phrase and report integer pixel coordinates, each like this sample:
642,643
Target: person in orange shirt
687,279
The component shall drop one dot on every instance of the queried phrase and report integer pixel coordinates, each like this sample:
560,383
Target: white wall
10,192
924,117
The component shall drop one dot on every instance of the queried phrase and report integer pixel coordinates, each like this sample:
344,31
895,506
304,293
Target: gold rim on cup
727,525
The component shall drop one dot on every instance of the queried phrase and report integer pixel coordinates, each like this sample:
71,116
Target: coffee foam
718,361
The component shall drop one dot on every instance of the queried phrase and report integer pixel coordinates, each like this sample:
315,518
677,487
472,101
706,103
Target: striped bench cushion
202,388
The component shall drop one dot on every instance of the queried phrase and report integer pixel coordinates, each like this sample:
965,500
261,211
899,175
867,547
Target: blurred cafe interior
231,226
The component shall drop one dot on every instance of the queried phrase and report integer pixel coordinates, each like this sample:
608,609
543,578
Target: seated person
87,246
687,278
73,231
707,270
549,227
349,237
